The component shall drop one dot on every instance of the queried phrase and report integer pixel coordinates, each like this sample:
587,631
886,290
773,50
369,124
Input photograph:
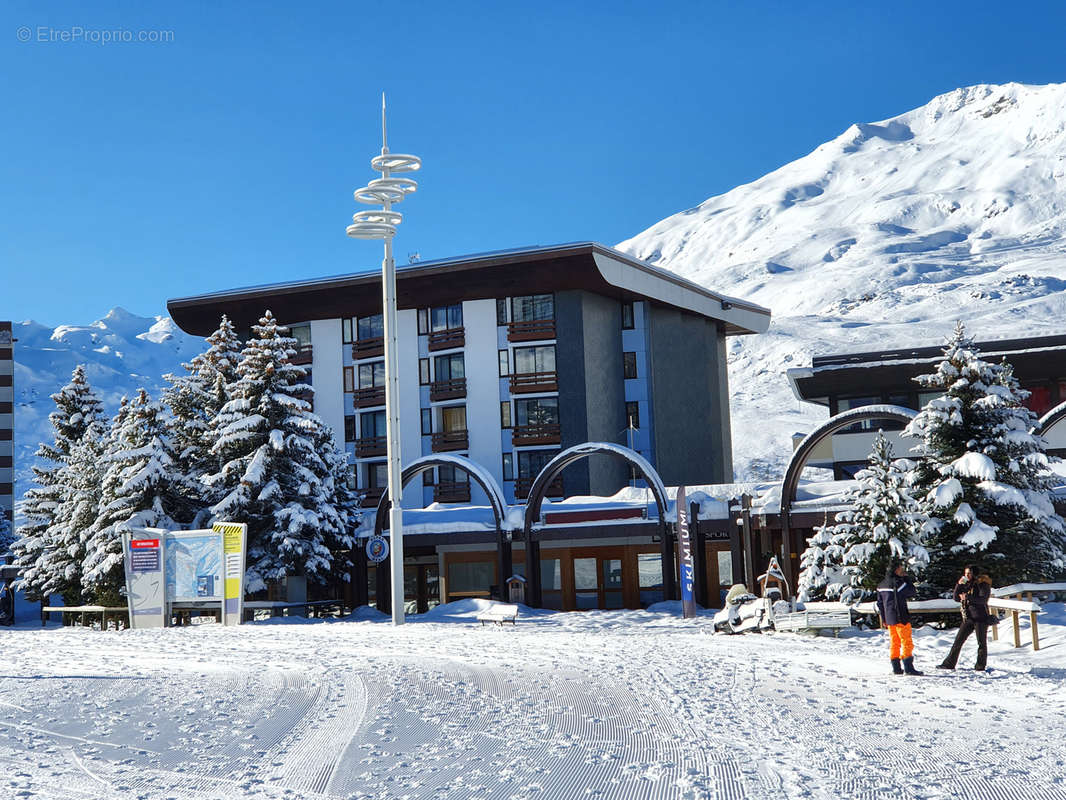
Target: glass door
586,584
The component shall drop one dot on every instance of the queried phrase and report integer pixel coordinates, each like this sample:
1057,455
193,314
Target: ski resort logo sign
377,549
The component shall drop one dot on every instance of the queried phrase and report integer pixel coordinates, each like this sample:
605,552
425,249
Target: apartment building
849,380
509,357
7,421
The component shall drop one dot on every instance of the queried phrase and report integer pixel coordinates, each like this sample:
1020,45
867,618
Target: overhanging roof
506,273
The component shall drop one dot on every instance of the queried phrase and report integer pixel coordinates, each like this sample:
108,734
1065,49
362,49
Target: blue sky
134,172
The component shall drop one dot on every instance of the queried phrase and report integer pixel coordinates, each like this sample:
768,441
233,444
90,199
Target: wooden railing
368,348
525,382
447,390
452,440
303,355
541,433
372,396
444,340
531,330
523,485
451,492
370,446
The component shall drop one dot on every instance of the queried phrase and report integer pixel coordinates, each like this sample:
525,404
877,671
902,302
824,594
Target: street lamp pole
381,224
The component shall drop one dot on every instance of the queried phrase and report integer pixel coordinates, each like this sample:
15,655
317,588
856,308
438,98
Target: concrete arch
1051,418
552,469
815,437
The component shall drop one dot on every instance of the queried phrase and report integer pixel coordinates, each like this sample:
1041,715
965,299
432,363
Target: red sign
137,543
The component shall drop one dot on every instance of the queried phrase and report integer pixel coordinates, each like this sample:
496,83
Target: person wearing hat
892,595
972,594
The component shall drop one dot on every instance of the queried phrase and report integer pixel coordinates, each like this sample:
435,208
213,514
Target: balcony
447,390
451,492
531,330
446,340
370,446
542,433
371,396
368,348
303,355
452,440
371,496
527,382
523,485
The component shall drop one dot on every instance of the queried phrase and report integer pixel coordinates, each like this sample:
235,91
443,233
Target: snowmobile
745,612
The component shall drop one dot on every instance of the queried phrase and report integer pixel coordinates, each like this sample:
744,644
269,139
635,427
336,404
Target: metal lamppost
381,224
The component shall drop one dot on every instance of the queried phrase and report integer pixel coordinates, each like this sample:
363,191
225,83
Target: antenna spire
384,139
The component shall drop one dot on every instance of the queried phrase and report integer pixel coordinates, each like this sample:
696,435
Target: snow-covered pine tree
77,407
982,476
138,489
194,400
74,517
821,572
7,535
884,521
273,476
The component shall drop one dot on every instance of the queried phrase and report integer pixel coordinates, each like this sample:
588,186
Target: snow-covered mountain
121,353
880,238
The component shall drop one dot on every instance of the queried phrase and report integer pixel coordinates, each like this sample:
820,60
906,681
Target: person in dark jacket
892,595
972,594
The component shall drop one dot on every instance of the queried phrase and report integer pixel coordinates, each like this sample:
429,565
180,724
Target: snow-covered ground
601,704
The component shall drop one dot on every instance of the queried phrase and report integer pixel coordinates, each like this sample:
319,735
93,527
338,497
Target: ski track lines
367,711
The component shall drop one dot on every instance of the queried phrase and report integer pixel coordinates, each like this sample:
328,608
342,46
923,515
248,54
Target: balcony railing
451,492
371,396
303,355
370,446
525,382
523,485
445,340
531,330
541,433
452,440
447,390
371,496
368,348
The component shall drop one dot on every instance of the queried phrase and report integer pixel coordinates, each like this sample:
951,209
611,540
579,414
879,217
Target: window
346,330
449,473
501,310
629,365
505,414
534,359
446,317
632,414
372,424
627,316
349,379
349,428
537,411
302,335
532,307
846,470
447,368
377,475
429,477
423,321
925,397
423,372
372,375
453,419
505,368
531,462
370,327
848,403
508,466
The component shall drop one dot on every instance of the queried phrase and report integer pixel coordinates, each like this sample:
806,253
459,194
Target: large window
372,424
447,368
532,307
534,359
370,327
377,475
531,462
453,419
537,411
848,403
446,318
470,578
302,335
372,375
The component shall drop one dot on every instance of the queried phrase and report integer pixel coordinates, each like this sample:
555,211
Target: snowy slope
883,237
122,352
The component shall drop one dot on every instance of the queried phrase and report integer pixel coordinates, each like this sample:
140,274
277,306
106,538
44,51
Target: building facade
850,380
7,421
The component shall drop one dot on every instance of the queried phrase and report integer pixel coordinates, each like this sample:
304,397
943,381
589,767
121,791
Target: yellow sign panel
234,537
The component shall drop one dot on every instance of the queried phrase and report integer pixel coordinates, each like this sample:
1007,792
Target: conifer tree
138,489
77,408
821,571
7,535
274,476
981,476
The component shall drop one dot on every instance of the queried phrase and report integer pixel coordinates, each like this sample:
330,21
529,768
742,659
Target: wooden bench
1014,608
499,613
816,617
103,611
